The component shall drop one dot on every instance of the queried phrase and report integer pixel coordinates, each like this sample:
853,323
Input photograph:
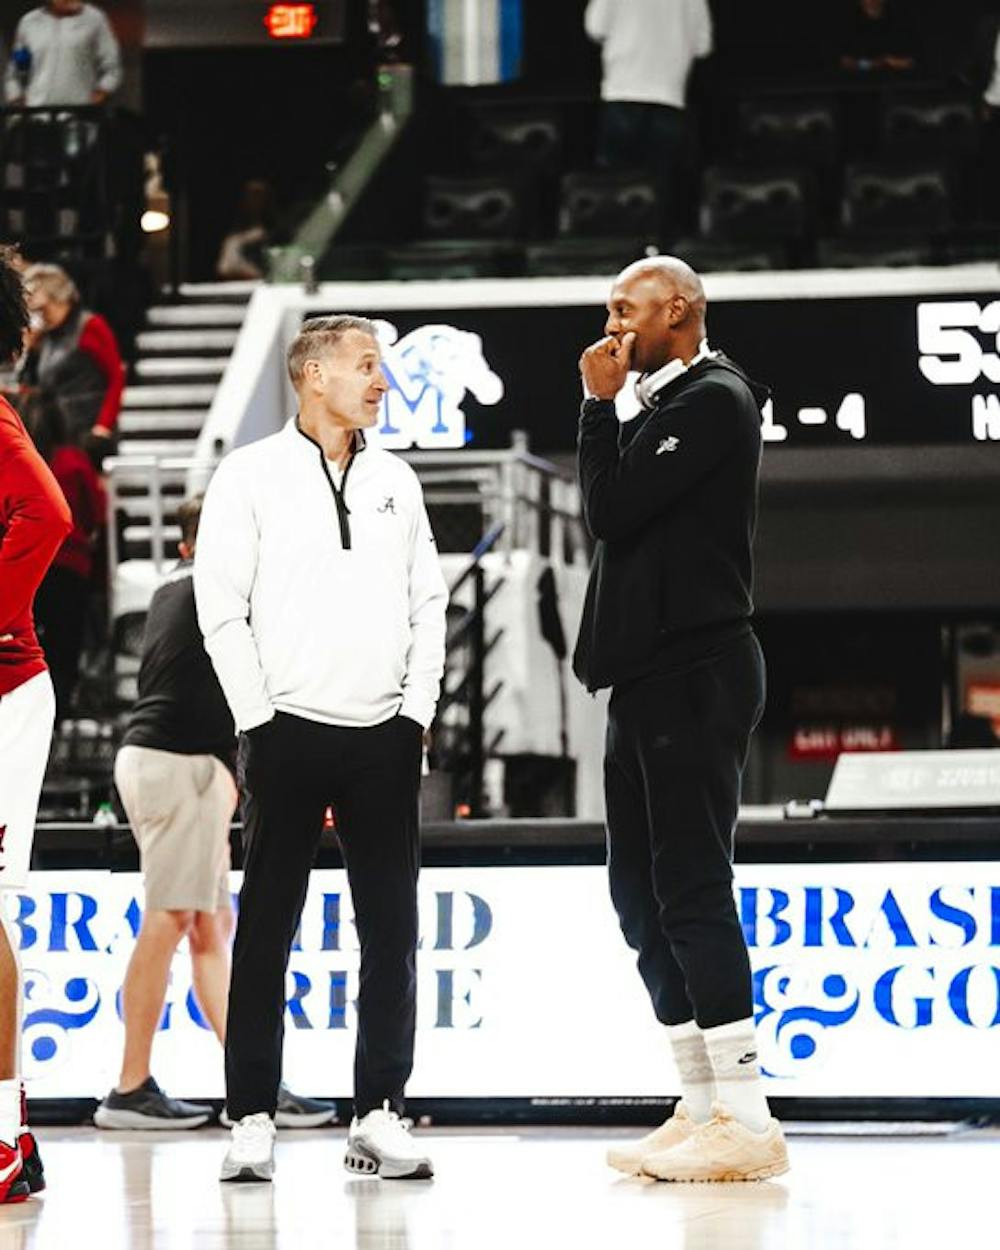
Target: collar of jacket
651,385
295,431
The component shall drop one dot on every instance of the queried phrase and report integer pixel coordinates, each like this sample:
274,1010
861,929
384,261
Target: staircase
182,354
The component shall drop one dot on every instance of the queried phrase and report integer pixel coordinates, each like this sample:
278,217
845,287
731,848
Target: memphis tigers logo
430,372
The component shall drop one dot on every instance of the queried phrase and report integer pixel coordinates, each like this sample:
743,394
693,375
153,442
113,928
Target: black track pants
676,749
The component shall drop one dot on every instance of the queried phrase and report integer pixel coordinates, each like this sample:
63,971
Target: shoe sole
759,1174
247,1172
19,1191
363,1162
109,1117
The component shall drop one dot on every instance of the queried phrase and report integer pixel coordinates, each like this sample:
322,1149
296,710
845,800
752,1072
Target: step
181,367
133,534
154,422
139,508
181,316
153,341
169,448
132,484
193,395
200,291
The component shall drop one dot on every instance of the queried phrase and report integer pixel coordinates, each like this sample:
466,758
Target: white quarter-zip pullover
319,597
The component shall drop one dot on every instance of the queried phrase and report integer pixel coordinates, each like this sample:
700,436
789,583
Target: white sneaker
380,1144
251,1150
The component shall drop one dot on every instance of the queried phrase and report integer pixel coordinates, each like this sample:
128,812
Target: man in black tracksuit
671,501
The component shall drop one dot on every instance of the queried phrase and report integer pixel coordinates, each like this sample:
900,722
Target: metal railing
464,751
535,503
54,171
298,260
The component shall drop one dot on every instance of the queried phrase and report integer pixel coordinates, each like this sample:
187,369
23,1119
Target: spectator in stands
65,52
985,77
241,256
648,48
75,356
878,35
174,774
61,602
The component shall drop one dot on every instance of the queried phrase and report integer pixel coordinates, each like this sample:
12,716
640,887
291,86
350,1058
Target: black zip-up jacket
671,499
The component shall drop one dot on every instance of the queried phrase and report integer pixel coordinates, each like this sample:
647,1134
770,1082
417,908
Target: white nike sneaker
380,1144
251,1150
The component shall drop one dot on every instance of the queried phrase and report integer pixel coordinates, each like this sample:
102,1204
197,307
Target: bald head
671,276
662,301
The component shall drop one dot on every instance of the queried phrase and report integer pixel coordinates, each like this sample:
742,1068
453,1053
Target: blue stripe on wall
436,18
511,39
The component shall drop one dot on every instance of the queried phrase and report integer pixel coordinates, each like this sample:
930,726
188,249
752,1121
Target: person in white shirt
322,603
65,53
647,50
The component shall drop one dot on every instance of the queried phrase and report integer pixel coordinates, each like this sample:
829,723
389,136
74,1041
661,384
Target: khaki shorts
180,808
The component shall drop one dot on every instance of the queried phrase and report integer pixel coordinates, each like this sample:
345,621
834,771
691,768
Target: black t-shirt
181,707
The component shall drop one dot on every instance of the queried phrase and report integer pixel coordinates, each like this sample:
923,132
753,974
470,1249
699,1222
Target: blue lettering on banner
46,1028
294,1004
827,956
963,920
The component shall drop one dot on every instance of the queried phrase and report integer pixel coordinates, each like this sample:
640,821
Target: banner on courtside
875,980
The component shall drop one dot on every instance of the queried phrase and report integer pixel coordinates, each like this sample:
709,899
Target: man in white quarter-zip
322,603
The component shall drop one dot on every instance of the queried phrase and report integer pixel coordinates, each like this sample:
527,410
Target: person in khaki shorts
174,774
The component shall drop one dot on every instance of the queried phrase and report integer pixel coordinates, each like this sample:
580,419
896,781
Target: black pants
676,749
653,137
291,770
61,615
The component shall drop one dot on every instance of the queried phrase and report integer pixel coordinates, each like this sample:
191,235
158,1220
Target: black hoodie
671,499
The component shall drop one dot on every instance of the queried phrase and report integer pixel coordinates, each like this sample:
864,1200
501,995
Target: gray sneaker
149,1107
295,1111
251,1150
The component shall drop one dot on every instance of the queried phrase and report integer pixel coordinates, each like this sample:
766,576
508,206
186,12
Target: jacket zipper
343,512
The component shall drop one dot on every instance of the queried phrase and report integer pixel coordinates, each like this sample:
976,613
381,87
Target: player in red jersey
34,521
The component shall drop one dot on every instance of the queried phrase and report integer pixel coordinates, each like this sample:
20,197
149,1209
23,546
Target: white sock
10,1110
694,1069
732,1052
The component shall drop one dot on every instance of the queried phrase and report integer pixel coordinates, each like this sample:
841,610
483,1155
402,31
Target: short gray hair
53,281
318,335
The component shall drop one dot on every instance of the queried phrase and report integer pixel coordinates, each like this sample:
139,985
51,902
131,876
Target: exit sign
291,21
243,23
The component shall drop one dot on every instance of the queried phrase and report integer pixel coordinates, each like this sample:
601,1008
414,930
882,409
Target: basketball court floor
512,1188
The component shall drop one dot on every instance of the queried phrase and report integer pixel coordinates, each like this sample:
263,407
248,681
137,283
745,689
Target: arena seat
894,196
